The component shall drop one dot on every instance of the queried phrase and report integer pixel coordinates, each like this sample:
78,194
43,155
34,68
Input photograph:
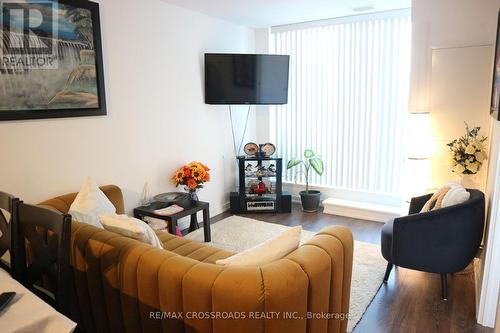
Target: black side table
190,209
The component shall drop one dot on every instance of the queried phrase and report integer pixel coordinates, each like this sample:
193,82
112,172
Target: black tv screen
246,78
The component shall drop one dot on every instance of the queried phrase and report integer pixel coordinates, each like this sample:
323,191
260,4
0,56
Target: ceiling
268,13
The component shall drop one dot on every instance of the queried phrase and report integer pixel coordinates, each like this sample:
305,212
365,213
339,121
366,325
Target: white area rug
237,233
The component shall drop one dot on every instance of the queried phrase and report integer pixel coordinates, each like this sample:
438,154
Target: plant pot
310,200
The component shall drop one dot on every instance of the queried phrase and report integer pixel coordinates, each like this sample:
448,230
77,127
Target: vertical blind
348,96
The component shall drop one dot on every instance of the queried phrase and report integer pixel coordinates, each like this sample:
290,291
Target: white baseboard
360,210
347,194
378,207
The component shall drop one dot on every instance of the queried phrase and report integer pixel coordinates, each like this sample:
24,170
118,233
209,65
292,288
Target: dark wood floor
410,301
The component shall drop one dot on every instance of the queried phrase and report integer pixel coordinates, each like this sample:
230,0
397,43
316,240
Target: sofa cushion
63,202
452,193
267,252
436,201
456,195
89,203
130,227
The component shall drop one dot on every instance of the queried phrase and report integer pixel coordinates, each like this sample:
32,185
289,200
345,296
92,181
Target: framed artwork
50,59
495,90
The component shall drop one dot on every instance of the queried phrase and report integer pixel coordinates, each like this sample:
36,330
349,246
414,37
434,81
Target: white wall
157,121
460,92
452,93
445,23
448,24
262,111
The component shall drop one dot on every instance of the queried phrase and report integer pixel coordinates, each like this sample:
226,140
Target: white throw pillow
89,203
456,195
269,251
130,227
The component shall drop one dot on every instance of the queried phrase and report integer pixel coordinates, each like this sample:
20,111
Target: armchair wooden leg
388,271
444,287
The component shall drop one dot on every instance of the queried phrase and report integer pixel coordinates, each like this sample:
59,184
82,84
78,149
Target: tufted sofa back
121,285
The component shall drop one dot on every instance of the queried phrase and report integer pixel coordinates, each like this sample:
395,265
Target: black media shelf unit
273,200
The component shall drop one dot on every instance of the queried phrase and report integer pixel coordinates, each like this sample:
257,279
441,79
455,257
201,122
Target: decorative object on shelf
261,171
250,171
260,154
145,197
309,198
467,153
251,148
192,176
268,149
495,87
260,189
263,150
57,71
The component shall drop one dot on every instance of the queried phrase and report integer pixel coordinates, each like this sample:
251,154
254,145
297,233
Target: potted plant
467,154
309,198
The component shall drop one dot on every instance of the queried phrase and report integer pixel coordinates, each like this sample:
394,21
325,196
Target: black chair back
42,246
6,203
444,240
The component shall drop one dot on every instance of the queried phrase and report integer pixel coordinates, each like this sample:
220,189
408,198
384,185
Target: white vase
469,181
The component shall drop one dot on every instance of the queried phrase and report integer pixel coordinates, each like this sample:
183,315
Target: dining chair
45,269
6,203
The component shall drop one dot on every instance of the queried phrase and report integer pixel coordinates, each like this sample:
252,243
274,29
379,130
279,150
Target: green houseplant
309,198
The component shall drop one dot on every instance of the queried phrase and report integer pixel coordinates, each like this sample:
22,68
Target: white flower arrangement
467,153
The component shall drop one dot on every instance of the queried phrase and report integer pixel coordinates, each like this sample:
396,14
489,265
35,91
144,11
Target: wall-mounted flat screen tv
246,78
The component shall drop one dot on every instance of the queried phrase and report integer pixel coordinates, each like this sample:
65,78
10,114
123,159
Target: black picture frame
495,86
100,110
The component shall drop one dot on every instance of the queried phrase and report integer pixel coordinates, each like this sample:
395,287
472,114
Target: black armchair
441,241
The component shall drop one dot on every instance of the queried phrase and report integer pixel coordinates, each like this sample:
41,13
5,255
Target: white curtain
348,96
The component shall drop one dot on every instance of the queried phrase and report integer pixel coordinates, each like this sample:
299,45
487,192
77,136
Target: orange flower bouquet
192,176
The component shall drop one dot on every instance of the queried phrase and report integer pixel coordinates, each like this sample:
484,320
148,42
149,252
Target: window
348,97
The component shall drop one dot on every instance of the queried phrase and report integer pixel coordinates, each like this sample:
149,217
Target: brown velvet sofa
122,285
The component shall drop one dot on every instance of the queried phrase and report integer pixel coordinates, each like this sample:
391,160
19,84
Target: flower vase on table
193,196
192,176
466,156
469,181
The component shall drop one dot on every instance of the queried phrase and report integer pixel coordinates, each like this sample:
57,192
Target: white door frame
491,274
